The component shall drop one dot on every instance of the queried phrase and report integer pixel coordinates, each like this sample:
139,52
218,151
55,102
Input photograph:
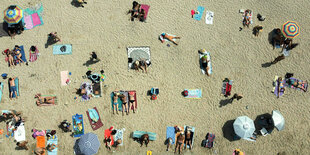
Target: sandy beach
105,27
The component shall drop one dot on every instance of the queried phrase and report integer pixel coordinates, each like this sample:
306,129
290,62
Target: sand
104,27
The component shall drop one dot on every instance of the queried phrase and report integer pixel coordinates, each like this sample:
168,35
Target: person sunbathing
179,143
135,10
17,53
13,88
299,84
188,139
51,147
10,56
280,86
170,38
247,18
204,63
132,101
141,64
144,138
115,102
44,100
124,103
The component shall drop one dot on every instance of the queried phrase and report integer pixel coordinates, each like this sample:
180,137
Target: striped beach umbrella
13,14
290,29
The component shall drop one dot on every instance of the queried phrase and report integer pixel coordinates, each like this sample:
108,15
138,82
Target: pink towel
146,9
64,77
33,56
28,22
36,19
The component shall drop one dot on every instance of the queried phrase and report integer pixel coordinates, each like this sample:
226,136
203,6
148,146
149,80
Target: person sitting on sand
135,10
170,38
115,102
247,18
124,103
132,101
144,138
44,100
54,37
257,29
280,86
179,143
17,51
204,63
12,87
81,2
51,147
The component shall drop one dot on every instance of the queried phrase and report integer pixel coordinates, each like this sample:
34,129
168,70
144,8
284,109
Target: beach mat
78,125
64,75
138,53
107,134
192,135
16,81
1,90
119,135
209,17
170,133
146,9
53,141
20,133
54,100
194,93
209,63
62,49
200,9
304,86
138,134
93,113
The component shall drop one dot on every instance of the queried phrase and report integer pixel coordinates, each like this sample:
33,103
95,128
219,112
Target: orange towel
41,142
107,134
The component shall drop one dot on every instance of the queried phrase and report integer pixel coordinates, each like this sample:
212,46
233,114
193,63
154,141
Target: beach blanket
146,9
193,93
275,87
40,142
304,85
200,10
107,134
62,49
161,38
33,56
1,91
170,133
138,53
209,17
78,125
192,135
53,101
209,63
94,118
19,133
16,81
51,141
33,16
119,135
23,55
64,76
138,134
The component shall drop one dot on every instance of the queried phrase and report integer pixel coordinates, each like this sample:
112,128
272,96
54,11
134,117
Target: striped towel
33,56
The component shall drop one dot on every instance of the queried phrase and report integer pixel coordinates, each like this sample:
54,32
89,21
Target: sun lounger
304,85
170,133
62,49
1,91
119,135
146,9
16,81
192,135
93,114
198,16
138,53
108,134
19,133
53,140
226,87
64,76
53,102
40,142
138,134
209,17
209,63
193,93
78,125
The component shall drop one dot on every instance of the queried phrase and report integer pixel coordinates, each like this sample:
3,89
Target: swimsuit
124,103
13,88
115,103
131,101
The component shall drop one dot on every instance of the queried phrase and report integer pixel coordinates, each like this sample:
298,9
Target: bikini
131,101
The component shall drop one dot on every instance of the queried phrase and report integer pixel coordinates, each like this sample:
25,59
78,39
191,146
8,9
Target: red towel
228,89
96,125
146,9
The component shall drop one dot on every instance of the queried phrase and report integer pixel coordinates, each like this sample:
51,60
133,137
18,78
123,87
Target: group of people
183,137
125,106
13,56
287,81
141,64
108,139
49,134
14,29
137,12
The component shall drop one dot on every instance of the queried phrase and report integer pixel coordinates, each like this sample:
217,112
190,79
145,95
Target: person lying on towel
168,37
12,87
141,64
204,63
44,100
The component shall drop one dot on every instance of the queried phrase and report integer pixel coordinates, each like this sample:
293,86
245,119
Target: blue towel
200,9
67,51
23,55
138,134
17,88
53,141
1,91
93,114
170,133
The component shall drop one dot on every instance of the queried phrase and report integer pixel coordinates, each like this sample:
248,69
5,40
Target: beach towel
209,17
19,133
304,85
276,86
53,101
209,63
33,16
192,135
62,49
108,134
1,91
64,76
94,118
33,56
210,140
226,87
161,38
170,133
146,9
16,81
119,135
138,53
193,93
97,89
138,134
78,125
23,55
51,141
200,10
41,142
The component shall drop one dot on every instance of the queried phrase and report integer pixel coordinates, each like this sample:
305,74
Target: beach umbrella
278,120
88,144
244,127
13,14
290,29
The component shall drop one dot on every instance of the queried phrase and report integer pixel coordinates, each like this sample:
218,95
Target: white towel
209,17
19,134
